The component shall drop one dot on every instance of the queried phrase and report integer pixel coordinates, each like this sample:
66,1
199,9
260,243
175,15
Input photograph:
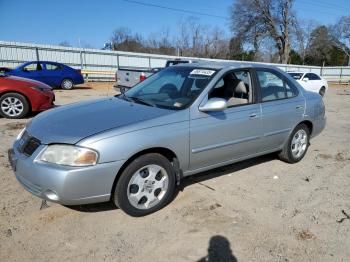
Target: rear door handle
253,115
299,107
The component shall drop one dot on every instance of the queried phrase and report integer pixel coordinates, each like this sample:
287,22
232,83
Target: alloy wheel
12,106
299,143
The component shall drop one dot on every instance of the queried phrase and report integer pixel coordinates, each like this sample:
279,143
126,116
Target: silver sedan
135,148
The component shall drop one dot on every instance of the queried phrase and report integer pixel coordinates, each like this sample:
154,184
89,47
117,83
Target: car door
312,81
282,107
33,70
222,136
53,74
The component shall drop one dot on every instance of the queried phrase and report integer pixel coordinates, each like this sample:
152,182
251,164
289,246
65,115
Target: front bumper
44,102
63,184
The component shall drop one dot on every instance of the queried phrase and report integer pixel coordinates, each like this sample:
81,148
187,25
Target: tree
341,35
302,35
320,46
64,43
265,18
123,40
236,51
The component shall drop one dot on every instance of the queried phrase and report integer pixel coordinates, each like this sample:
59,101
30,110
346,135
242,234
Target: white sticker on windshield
203,72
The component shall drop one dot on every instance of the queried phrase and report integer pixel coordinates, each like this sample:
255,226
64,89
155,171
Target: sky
91,22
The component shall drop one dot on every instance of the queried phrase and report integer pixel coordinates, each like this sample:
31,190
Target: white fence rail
13,54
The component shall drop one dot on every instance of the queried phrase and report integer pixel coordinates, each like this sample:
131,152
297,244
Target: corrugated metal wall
13,54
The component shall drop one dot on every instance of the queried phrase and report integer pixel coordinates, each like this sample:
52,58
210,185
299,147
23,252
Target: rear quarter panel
315,112
72,74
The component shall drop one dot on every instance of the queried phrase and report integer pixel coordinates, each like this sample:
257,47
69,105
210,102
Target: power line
177,9
330,5
324,6
324,10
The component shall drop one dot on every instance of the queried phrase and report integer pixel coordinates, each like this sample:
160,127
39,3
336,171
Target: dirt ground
256,210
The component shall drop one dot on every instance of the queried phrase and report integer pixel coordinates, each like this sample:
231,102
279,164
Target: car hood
29,82
71,123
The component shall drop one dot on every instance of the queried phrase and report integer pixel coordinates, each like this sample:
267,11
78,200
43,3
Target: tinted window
33,67
296,76
274,87
52,67
312,76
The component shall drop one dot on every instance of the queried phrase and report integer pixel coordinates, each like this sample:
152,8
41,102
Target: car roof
218,65
42,61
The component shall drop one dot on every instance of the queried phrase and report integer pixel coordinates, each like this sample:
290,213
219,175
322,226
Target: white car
311,82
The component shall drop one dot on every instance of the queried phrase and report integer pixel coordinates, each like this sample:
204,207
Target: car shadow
94,208
77,87
224,170
185,182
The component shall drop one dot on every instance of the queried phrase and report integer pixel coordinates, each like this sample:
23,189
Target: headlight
69,155
40,89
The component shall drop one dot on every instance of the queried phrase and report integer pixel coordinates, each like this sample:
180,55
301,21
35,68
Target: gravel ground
256,210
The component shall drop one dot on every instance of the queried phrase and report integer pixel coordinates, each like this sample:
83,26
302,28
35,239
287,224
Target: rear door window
53,67
312,76
274,87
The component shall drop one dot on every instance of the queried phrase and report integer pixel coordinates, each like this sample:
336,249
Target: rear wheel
67,84
322,91
13,105
297,145
146,185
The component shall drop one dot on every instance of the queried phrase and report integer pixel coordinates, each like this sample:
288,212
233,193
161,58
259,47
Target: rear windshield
172,88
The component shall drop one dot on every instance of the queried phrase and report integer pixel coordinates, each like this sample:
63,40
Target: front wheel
13,105
297,145
67,84
146,185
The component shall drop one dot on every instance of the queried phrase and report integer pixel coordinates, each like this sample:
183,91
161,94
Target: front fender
174,136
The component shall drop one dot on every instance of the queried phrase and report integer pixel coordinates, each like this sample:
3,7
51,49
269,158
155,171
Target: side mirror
214,104
305,79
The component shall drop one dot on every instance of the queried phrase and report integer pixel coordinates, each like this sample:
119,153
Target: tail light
78,71
142,77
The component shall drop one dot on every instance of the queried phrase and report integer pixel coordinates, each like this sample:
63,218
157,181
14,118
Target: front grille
28,144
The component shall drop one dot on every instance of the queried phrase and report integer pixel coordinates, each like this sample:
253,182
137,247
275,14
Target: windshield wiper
140,101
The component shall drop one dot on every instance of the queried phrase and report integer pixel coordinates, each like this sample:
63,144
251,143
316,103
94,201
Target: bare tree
122,39
302,34
341,35
183,42
64,43
258,17
120,35
246,25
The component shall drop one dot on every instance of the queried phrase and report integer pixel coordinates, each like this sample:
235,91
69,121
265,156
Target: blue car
51,73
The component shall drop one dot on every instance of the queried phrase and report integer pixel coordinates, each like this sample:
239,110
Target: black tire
21,104
286,154
322,91
121,190
67,84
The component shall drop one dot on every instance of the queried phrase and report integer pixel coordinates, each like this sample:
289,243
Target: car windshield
296,76
172,88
